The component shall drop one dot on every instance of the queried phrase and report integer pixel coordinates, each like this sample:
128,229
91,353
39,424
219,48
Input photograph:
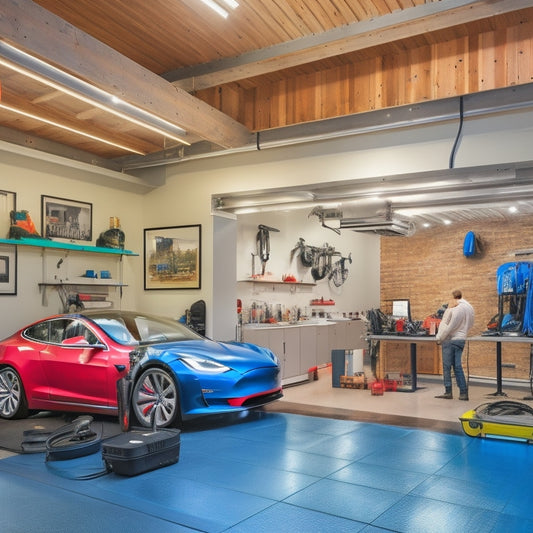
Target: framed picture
66,219
8,269
8,203
172,257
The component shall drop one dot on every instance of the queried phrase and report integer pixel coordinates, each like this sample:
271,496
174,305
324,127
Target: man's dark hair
457,295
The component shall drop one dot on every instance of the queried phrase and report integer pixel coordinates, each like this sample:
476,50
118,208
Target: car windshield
126,327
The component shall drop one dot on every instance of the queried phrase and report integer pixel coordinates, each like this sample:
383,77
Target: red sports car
73,362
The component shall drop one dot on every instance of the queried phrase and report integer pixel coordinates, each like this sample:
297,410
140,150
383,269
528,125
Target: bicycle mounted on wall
320,260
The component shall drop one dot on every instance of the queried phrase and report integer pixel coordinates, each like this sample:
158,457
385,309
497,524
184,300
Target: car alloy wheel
13,402
155,394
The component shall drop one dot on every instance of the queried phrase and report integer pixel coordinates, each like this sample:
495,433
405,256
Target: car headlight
207,366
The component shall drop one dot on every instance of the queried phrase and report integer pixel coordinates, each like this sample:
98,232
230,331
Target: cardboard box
357,381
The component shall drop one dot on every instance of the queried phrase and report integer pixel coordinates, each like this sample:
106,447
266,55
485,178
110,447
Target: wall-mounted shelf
65,285
291,287
46,243
284,283
100,283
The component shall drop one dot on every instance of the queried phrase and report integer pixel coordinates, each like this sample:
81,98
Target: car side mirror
81,342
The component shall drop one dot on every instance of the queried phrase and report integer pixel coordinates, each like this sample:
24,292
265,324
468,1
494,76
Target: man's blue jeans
452,352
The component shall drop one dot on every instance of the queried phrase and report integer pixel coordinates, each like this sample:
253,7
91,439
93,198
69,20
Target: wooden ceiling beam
398,25
35,30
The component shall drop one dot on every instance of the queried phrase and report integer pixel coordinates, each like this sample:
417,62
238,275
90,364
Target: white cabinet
355,334
314,349
347,335
291,352
283,341
308,348
302,347
258,336
323,351
298,348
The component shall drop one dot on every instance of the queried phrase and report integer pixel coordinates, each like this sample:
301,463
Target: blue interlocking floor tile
512,524
250,479
29,506
472,494
277,457
352,446
411,458
283,518
422,515
363,504
380,477
520,501
433,440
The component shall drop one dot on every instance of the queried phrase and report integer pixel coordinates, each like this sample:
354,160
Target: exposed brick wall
427,266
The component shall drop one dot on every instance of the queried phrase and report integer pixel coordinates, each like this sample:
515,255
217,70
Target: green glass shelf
46,243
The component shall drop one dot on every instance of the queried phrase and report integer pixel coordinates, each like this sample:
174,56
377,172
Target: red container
390,385
377,388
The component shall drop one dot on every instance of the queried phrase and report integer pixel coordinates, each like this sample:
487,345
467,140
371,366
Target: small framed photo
66,219
8,269
172,257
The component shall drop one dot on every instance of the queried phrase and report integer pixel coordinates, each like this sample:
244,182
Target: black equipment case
139,451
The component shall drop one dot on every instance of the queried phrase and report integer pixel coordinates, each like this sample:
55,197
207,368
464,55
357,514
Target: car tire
13,402
156,388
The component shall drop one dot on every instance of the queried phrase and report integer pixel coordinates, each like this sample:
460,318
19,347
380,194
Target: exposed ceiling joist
35,30
437,111
340,40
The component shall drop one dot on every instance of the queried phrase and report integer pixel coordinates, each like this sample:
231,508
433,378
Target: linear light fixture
67,128
39,70
219,9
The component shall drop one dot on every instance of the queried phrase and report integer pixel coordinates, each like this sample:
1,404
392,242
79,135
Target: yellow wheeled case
508,420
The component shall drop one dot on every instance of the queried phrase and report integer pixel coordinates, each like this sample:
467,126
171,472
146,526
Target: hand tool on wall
263,244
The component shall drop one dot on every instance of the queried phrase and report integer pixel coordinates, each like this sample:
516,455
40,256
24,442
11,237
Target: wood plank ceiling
269,64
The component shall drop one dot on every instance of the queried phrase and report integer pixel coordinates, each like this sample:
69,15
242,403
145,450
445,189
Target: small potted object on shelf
22,226
113,237
289,278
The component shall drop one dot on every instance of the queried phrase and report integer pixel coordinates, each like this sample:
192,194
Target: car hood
239,356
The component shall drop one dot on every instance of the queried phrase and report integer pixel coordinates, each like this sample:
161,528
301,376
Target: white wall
186,199
186,196
29,179
359,292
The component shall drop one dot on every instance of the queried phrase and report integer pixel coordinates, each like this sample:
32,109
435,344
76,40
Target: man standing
456,322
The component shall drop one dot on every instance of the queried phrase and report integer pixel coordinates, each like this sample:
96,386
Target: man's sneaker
463,396
446,396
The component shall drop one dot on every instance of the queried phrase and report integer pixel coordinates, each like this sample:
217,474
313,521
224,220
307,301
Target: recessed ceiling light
231,3
219,9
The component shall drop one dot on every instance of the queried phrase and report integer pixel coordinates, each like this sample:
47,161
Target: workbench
413,340
499,340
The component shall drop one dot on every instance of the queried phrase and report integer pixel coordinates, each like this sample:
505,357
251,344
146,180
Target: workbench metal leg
499,391
530,397
413,366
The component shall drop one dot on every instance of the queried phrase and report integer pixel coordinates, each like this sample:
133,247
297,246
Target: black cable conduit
458,136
